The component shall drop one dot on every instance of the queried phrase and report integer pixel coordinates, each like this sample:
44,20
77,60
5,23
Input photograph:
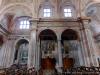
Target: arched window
46,9
22,23
67,12
47,12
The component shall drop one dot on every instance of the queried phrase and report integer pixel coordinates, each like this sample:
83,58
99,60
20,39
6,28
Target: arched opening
48,41
21,54
69,47
47,35
69,34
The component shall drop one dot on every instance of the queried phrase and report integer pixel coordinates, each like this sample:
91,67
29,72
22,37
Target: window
67,12
47,12
24,24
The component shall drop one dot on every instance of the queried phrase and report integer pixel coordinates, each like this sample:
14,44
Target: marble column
3,55
83,61
38,55
80,54
32,47
90,43
85,49
10,53
60,62
6,59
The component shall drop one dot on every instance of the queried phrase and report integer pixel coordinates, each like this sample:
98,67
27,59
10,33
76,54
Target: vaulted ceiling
19,8
33,5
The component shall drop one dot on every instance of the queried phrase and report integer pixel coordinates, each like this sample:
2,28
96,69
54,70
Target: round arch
66,5
48,44
69,44
47,34
19,53
22,41
21,38
5,9
69,34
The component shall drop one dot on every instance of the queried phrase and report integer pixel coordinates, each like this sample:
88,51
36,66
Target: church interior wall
88,46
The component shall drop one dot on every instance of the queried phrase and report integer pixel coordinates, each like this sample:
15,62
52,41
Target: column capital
85,22
33,25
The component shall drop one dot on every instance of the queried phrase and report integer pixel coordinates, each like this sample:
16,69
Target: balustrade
23,70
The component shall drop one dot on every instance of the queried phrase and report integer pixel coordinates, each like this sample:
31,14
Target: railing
82,71
13,70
